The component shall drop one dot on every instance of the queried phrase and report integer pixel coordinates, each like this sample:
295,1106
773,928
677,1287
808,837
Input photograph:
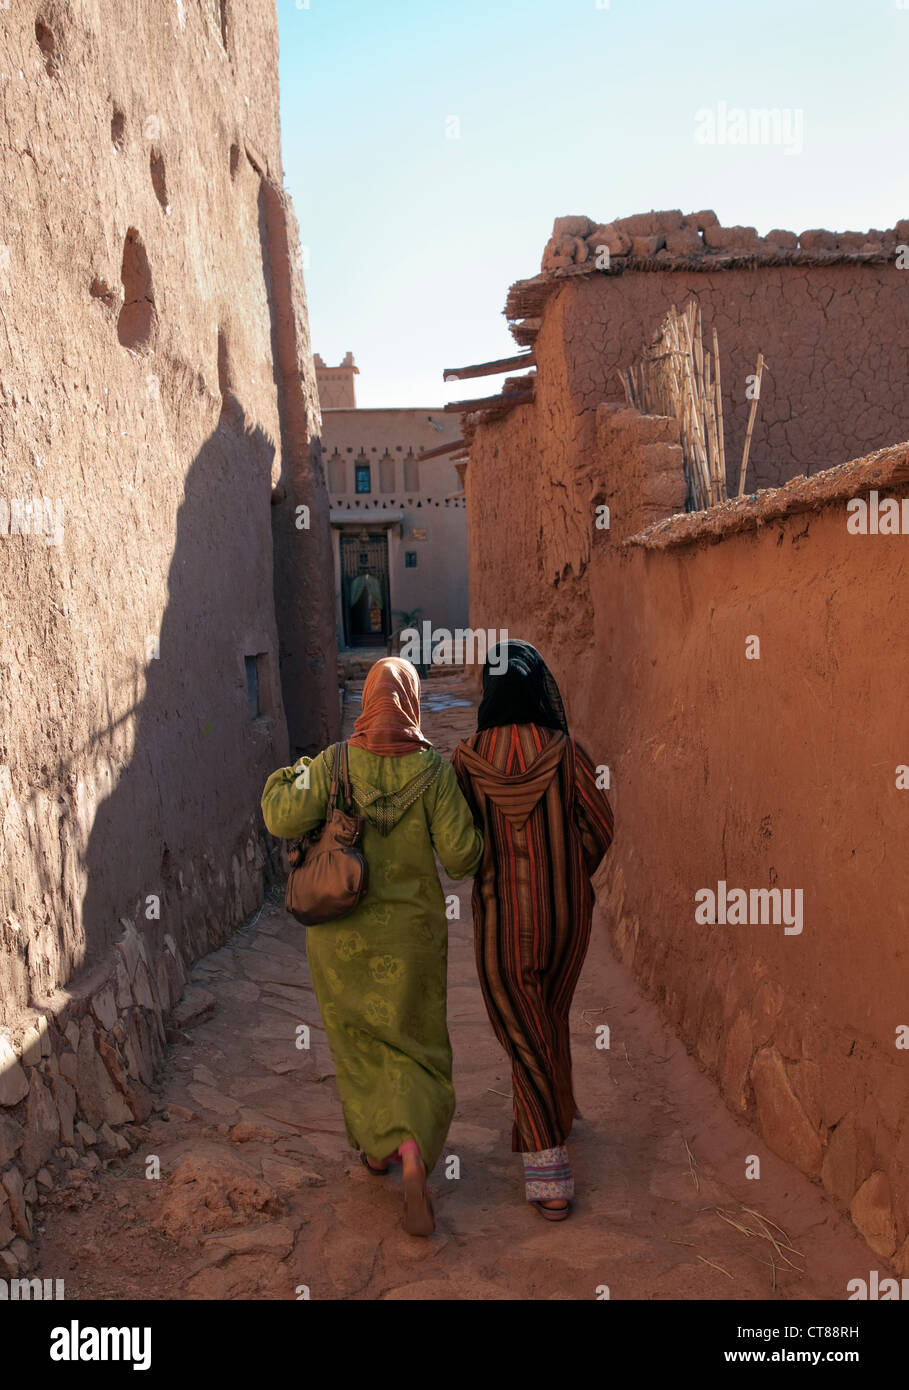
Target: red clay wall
778,771
155,382
835,340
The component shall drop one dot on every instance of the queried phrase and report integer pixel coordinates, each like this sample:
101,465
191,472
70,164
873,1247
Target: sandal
376,1172
553,1213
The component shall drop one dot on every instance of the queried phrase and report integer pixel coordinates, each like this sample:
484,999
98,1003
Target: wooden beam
440,449
503,364
506,398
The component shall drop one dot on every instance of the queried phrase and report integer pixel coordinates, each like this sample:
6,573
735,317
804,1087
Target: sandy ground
243,1186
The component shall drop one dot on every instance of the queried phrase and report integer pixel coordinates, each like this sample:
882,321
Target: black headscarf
525,693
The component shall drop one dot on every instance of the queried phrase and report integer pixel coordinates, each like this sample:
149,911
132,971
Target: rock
124,994
817,240
11,1137
642,247
205,1076
289,1175
647,224
783,1122
98,1097
130,947
69,1067
248,992
14,1187
86,1133
269,1236
72,1034
104,1007
6,1222
872,1211
207,1098
107,1139
9,1262
180,1112
703,220
572,227
559,253
65,1101
244,1132
30,1191
851,241
139,1101
196,1005
171,979
13,1080
685,242
44,1178
42,1126
22,1253
31,1047
116,1067
741,239
122,1144
143,991
90,1161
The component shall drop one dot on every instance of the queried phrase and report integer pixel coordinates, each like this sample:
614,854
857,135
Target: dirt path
259,1195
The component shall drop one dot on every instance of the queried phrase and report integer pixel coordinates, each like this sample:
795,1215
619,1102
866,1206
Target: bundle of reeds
677,377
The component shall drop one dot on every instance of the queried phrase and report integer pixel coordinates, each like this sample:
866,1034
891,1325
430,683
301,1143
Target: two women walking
519,808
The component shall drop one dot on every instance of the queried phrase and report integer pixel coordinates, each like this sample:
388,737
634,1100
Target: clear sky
562,106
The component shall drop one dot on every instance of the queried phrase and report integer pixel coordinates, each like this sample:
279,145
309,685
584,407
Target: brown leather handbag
329,875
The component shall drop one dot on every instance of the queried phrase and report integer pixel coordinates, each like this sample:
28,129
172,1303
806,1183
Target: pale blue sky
564,107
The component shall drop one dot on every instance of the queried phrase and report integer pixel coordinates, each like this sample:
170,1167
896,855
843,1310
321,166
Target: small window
257,684
362,474
410,559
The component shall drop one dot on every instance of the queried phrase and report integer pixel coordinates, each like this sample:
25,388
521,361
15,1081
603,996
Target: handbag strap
333,793
345,774
339,761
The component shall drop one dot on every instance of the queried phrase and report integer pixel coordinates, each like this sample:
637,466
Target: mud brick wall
159,434
780,771
829,311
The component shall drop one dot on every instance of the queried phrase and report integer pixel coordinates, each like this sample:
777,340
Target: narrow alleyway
258,1194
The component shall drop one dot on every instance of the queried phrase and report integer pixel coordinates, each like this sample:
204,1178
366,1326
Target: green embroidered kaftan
380,973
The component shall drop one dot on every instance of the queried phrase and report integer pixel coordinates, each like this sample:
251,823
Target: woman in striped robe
546,826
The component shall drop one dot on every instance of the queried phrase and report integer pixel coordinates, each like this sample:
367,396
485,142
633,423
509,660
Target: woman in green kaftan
380,972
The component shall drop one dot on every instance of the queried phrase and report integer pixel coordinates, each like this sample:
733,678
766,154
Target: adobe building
397,513
739,671
166,628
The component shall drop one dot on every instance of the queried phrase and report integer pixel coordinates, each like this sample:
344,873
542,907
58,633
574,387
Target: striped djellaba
546,826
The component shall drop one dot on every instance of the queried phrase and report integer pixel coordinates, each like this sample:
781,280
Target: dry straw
677,377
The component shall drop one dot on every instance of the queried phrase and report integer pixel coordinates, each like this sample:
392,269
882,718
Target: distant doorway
365,598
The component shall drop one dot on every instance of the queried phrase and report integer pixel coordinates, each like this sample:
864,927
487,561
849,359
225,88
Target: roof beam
440,449
502,364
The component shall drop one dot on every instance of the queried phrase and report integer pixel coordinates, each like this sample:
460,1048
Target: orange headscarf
390,722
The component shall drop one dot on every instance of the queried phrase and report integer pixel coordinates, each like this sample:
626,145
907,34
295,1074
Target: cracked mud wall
835,339
156,387
772,772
